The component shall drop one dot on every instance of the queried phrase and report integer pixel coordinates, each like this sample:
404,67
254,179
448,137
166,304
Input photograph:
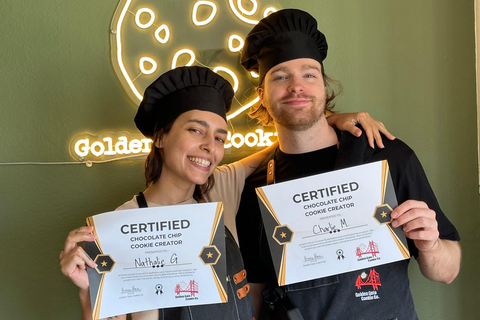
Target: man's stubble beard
290,120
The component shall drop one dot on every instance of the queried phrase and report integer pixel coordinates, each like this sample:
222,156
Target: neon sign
106,147
195,12
120,144
149,38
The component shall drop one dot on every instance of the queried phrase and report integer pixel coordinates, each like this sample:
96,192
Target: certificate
157,257
332,223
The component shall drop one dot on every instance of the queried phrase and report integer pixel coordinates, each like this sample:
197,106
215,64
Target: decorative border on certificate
210,254
338,219
95,278
278,249
383,212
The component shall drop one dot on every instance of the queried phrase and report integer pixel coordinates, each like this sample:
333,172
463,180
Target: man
287,51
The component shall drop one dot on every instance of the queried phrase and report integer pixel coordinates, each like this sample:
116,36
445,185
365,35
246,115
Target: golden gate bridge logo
373,280
192,288
371,249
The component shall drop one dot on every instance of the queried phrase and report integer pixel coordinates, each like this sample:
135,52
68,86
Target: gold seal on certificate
332,223
157,257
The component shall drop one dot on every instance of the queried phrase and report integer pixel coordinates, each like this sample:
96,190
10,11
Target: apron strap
142,203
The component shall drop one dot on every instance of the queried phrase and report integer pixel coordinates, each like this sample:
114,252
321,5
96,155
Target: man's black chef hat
180,90
282,36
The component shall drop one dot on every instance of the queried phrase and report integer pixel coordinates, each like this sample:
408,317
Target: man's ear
260,94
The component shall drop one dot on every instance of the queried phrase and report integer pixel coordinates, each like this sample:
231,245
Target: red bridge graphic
371,249
372,280
192,288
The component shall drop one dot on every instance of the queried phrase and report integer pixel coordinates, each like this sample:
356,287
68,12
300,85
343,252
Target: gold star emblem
384,214
283,235
209,255
104,263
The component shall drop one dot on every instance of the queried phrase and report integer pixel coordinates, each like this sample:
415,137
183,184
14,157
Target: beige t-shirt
229,183
228,187
133,204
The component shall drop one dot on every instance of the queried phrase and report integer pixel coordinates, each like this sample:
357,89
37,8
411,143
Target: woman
184,113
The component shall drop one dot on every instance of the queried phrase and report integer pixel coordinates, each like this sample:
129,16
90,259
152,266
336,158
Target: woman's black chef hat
282,36
180,90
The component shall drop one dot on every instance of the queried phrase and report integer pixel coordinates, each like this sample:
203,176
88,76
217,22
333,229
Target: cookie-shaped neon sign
151,37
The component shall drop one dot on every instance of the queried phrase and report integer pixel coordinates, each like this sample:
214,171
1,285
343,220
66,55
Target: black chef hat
180,90
282,36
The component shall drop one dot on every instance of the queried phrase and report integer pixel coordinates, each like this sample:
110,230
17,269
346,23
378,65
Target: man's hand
439,259
419,223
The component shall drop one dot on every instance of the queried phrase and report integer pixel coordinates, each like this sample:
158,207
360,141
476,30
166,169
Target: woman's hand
372,127
73,259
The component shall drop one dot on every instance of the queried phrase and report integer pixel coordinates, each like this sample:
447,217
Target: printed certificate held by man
332,223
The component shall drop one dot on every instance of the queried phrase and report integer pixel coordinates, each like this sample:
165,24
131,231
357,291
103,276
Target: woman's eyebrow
200,122
206,125
222,131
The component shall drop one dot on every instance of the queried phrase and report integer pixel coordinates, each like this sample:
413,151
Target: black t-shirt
410,182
